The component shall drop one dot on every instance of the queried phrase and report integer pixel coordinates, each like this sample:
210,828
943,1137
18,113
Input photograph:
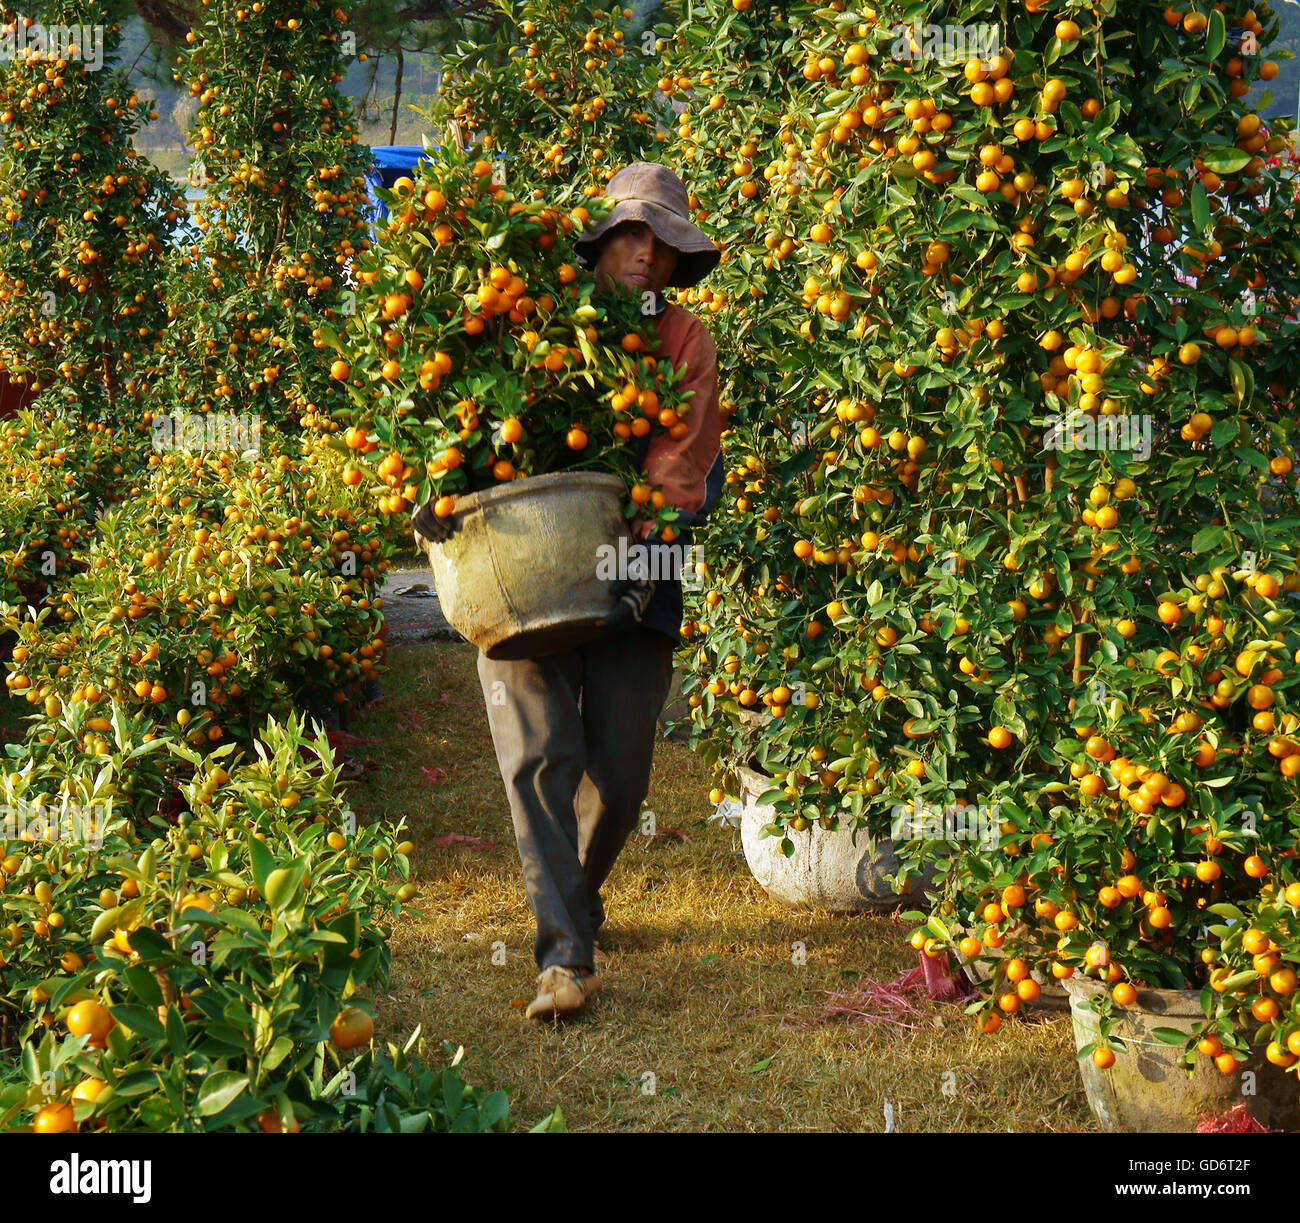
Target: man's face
632,255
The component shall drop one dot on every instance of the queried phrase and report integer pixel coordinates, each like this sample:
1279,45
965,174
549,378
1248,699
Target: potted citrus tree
488,380
1130,879
1035,359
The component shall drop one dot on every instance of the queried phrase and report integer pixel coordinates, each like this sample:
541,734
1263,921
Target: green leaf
1174,70
1225,160
494,1113
281,885
1238,979
1223,432
219,1090
140,1020
136,1083
553,1124
144,986
263,862
1207,539
1243,380
278,1051
1200,207
176,1034
105,924
1217,36
348,927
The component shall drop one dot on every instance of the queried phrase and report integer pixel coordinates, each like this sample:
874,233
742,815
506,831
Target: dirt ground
414,616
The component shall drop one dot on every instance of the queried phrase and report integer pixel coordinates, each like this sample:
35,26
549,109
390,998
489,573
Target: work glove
430,527
632,599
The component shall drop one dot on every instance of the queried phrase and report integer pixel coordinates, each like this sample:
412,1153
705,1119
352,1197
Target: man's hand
633,598
429,526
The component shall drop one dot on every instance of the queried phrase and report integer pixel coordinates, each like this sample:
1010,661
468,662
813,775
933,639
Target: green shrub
223,945
221,590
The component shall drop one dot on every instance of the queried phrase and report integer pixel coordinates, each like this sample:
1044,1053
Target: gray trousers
574,734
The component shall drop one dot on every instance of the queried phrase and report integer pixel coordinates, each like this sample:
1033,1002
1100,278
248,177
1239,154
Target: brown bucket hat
650,192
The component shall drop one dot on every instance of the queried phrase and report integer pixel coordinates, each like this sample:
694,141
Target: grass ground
694,1028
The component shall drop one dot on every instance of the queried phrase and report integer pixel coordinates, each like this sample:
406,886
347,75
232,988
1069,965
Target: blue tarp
390,162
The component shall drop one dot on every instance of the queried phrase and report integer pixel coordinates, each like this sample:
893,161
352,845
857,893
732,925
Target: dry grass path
693,1029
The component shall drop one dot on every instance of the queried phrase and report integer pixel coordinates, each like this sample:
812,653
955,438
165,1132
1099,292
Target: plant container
839,871
519,577
1146,1091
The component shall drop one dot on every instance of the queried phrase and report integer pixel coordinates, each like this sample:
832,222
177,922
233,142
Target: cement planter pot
827,869
519,577
1146,1092
1052,996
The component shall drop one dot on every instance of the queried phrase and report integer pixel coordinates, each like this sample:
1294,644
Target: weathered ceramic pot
1052,996
828,870
1147,1092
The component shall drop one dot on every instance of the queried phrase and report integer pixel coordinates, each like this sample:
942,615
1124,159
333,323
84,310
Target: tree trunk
397,93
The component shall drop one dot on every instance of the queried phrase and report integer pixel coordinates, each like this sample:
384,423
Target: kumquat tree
82,254
86,217
281,217
1033,542
479,355
557,107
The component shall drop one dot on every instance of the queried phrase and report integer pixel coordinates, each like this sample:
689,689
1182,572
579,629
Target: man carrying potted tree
574,731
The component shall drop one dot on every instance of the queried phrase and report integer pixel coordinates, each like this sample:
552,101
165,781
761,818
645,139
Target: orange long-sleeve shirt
681,468
688,471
